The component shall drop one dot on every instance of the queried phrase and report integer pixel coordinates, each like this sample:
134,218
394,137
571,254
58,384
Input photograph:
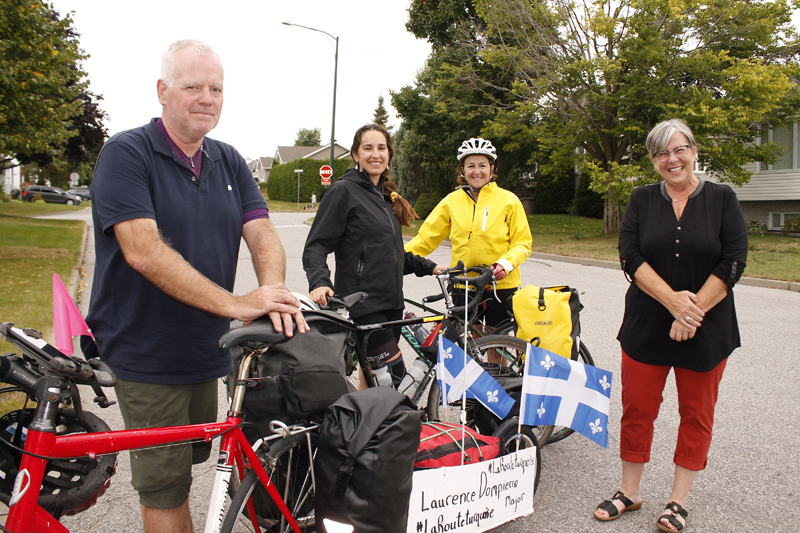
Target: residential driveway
751,483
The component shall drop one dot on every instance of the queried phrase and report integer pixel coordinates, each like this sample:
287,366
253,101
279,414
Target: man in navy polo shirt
170,207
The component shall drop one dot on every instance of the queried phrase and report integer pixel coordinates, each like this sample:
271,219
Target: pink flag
67,320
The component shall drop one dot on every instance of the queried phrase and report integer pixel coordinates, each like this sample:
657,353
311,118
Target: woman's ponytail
402,209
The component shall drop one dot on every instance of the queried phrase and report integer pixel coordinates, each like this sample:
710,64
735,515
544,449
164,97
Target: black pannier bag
365,461
293,379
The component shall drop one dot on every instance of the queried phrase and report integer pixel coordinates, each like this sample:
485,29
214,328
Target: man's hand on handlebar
277,302
439,269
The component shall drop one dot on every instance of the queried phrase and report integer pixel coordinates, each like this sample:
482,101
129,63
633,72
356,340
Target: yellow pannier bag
553,315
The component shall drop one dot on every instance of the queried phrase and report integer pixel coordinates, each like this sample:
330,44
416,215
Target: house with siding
285,154
11,178
772,196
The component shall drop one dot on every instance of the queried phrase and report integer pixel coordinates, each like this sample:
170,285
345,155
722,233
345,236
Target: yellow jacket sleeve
432,232
520,239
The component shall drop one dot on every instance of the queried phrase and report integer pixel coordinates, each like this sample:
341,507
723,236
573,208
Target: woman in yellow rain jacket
486,225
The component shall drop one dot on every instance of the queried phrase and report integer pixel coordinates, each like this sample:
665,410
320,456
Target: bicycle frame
439,316
26,515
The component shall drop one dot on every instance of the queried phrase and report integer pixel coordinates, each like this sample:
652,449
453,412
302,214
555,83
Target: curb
74,283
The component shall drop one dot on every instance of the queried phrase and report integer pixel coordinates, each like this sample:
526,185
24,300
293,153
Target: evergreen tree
381,116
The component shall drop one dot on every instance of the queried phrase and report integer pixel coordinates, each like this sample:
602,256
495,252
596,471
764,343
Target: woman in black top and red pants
683,243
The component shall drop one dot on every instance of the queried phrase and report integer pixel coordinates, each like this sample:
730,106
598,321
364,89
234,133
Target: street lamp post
299,172
335,71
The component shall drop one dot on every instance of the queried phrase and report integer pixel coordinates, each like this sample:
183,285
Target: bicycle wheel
511,350
288,465
560,432
508,349
507,433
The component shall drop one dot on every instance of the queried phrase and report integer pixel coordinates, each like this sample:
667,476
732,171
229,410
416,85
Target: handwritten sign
473,498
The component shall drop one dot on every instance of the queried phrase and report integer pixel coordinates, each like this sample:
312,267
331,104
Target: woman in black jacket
359,221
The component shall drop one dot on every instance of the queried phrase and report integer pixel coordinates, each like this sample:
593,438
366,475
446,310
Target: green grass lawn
20,208
31,251
773,257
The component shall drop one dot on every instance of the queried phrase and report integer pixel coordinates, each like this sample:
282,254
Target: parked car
54,195
81,192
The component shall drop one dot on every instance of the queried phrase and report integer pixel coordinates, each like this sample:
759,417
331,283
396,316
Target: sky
278,78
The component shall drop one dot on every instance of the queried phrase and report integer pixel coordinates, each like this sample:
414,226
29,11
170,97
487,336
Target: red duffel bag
440,445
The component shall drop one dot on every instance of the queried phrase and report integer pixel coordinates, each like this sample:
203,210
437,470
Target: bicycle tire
558,433
507,433
287,464
511,348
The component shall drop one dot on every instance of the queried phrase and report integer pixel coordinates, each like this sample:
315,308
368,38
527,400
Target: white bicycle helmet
477,146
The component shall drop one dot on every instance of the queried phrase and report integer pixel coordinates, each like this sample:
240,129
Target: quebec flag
479,384
561,392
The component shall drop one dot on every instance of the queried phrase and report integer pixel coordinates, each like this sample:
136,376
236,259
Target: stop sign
326,172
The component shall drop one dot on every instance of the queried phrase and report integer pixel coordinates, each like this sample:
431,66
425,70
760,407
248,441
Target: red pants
642,387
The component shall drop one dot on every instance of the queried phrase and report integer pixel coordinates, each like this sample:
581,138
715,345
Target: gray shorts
163,476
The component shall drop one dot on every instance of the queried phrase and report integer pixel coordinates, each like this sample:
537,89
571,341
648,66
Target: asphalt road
752,479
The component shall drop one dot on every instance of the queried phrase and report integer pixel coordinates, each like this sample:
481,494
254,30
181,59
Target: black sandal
672,511
612,510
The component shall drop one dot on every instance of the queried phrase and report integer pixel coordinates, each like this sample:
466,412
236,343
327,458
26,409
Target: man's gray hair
660,135
168,68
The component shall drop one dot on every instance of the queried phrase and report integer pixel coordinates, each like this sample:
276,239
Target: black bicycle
498,349
451,323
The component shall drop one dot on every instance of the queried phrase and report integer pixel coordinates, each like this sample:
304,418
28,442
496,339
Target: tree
90,132
440,110
591,79
441,22
40,81
78,154
381,116
306,137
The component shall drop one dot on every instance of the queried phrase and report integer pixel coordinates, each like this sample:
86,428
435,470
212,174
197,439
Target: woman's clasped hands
688,316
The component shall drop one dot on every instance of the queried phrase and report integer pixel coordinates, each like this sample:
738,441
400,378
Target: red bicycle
61,458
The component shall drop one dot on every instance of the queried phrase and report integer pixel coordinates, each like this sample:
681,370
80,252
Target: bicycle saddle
262,330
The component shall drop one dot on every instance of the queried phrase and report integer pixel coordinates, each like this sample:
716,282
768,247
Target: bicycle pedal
103,402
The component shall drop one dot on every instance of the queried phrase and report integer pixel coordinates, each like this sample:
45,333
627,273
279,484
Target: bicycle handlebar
478,282
49,362
434,298
344,302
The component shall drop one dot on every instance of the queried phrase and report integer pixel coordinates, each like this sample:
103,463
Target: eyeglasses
663,155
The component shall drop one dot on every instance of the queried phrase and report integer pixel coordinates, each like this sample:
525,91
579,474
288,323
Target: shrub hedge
282,184
425,204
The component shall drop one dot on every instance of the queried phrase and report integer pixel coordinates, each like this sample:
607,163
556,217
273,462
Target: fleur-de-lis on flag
458,374
562,392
